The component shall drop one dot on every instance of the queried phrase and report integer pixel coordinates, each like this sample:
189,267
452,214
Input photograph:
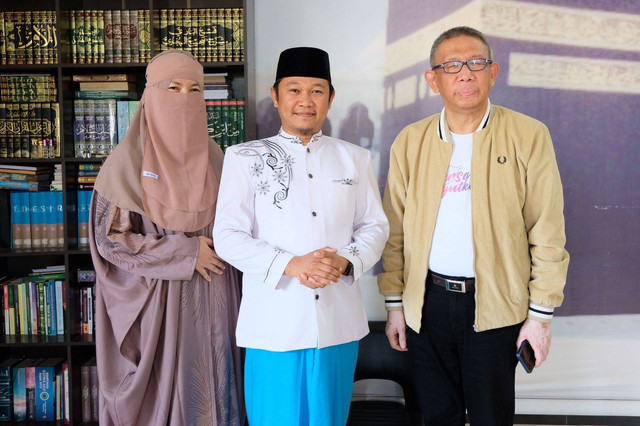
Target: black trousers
457,368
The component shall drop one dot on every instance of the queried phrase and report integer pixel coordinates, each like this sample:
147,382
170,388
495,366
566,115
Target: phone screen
526,356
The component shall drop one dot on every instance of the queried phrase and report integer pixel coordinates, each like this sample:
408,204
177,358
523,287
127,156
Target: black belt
458,285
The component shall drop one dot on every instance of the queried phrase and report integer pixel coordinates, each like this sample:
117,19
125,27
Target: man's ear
274,96
430,76
333,95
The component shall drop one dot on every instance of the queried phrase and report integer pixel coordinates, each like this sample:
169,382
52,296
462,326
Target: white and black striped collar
443,127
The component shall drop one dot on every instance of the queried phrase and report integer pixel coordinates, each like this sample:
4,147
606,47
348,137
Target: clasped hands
317,269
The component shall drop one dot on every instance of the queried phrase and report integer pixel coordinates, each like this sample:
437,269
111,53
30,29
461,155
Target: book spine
179,42
45,393
27,39
4,153
241,126
100,145
164,34
116,17
66,392
19,393
108,37
90,127
45,27
16,219
122,108
3,42
95,37
79,129
210,120
73,37
241,32
51,308
228,35
59,307
100,36
13,136
202,35
111,130
33,308
30,378
39,36
52,33
217,123
25,140
213,34
225,124
12,310
36,223
19,36
126,36
85,384
134,31
42,309
52,219
235,34
83,225
55,122
233,122
171,29
35,130
187,36
81,37
6,393
5,309
59,220
25,207
93,373
10,38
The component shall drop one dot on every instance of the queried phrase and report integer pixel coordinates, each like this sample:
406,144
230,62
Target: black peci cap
304,62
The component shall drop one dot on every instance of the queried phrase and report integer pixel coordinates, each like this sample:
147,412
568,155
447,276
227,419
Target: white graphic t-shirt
452,248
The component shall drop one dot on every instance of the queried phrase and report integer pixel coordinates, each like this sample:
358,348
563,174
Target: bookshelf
73,346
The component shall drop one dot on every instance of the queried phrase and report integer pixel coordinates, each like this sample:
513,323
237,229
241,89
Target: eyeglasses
454,67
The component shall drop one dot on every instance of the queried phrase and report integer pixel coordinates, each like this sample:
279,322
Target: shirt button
317,296
313,214
310,176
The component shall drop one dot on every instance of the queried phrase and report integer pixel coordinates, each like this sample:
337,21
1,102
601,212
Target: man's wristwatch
349,270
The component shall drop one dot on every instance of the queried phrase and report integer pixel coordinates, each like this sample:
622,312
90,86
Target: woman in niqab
166,305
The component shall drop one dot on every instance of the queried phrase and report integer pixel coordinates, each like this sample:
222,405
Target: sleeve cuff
357,271
276,269
540,312
393,302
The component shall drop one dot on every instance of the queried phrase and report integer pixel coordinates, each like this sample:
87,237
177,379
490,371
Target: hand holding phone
526,356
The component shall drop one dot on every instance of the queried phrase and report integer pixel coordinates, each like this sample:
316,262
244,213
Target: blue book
45,389
25,208
59,219
51,236
20,390
83,218
37,219
16,221
122,108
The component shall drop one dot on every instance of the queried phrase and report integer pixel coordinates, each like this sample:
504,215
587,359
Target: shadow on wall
357,127
268,120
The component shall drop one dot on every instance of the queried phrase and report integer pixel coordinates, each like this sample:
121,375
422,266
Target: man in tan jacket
475,262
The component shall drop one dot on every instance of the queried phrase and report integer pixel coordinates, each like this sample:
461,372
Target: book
107,85
105,94
6,388
102,77
93,380
85,386
20,389
45,388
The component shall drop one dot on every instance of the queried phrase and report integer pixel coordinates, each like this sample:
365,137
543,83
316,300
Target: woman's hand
208,261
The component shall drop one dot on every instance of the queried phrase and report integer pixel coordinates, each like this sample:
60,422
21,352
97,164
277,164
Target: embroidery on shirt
275,159
353,250
346,181
278,253
296,140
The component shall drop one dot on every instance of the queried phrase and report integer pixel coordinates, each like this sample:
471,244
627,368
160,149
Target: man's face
303,104
466,91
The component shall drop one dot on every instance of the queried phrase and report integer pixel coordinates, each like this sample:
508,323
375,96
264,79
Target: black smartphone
526,356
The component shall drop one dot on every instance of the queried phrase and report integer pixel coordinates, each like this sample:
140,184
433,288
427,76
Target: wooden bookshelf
73,346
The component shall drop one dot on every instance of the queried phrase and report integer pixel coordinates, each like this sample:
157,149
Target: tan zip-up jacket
517,218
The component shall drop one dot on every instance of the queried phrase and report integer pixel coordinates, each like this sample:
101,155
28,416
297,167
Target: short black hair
456,32
277,83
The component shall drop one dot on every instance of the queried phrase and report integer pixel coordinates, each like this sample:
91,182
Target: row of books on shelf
225,121
208,34
84,210
30,130
33,306
110,36
36,220
28,37
99,125
28,88
38,389
22,177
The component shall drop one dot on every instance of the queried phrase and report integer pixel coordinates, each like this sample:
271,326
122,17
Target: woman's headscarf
166,167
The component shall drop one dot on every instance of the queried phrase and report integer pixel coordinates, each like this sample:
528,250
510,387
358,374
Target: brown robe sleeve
153,256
